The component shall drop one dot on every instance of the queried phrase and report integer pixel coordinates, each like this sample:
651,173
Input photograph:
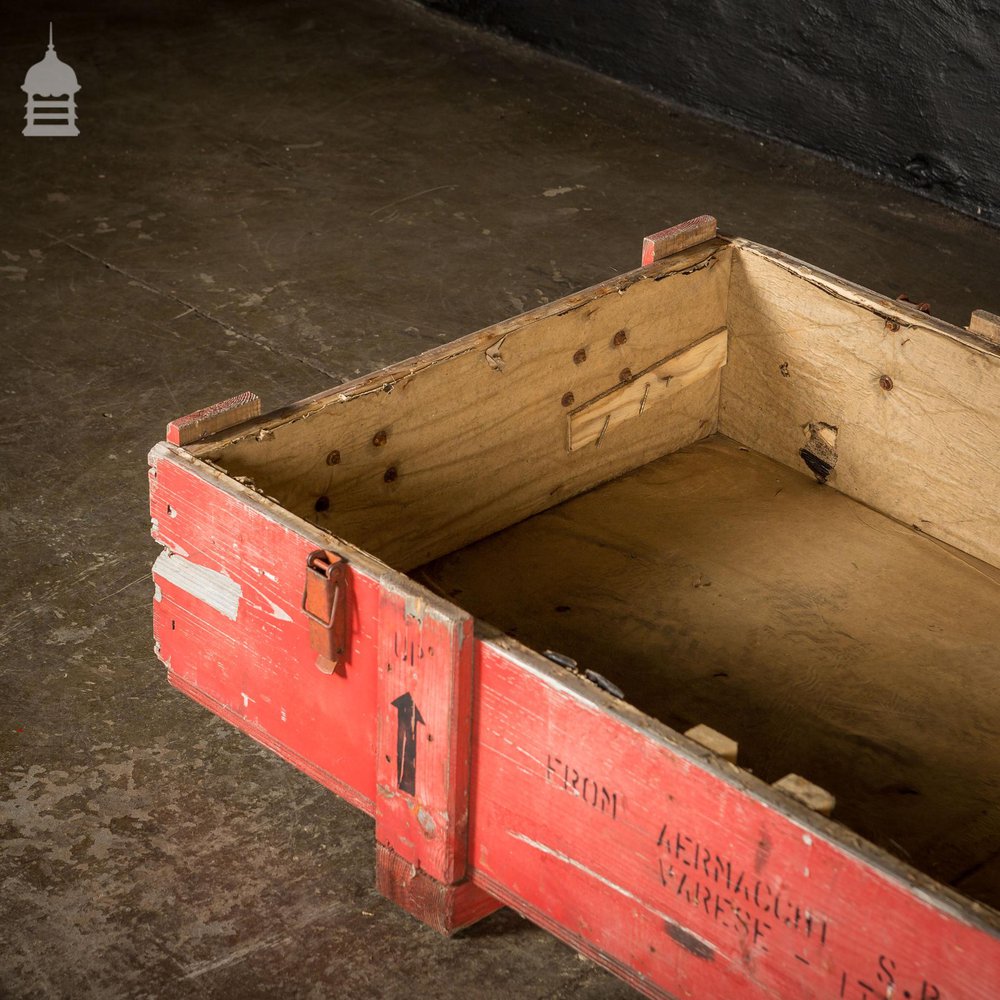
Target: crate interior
749,494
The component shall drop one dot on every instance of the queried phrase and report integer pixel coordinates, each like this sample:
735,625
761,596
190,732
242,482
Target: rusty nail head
390,474
580,357
885,382
891,325
903,297
568,399
380,439
924,307
625,374
619,338
333,458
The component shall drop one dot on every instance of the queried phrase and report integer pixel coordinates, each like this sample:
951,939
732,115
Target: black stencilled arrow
408,717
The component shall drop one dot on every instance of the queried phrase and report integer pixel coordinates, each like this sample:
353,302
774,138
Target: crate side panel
427,456
894,409
679,877
228,624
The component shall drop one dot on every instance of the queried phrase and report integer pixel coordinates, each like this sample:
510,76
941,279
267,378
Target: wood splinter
816,798
712,739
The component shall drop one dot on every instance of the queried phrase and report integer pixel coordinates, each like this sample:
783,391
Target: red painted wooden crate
501,776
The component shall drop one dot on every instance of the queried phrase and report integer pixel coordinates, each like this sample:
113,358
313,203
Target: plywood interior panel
426,456
899,410
717,586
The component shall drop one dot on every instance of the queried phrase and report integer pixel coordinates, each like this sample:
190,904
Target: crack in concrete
253,338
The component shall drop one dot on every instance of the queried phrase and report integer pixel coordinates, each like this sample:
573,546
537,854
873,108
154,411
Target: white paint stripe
208,585
573,863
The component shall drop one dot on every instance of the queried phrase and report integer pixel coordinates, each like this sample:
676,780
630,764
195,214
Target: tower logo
51,87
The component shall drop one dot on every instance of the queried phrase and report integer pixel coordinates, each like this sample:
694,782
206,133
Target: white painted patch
807,840
284,717
157,593
208,585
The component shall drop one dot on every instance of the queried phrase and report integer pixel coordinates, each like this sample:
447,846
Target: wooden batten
986,325
461,442
709,738
810,795
676,238
214,418
890,406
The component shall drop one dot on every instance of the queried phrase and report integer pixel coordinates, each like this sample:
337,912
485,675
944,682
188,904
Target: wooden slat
678,238
986,325
462,441
711,739
214,418
809,794
910,402
424,709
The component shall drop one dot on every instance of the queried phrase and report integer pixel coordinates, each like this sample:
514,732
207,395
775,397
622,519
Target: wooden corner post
423,758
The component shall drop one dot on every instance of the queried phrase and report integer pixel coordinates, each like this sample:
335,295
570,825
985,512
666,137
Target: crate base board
446,908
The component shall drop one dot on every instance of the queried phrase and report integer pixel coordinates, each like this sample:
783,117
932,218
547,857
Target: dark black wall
908,89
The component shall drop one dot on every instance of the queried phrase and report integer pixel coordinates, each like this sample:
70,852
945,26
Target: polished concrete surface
278,197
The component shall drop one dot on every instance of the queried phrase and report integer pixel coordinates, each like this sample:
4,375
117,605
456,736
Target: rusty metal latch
324,601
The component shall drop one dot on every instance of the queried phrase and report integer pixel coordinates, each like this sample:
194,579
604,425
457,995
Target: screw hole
568,399
390,474
580,357
380,439
619,338
333,458
322,504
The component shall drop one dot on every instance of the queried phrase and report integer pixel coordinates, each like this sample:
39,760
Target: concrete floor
277,197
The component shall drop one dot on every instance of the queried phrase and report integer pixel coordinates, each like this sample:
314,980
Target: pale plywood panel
911,405
467,439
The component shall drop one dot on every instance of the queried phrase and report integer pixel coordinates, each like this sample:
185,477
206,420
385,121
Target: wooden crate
760,500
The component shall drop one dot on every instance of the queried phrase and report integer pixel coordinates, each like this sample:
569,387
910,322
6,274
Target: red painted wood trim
217,417
424,723
678,238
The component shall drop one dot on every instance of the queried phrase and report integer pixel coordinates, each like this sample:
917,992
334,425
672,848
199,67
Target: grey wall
909,89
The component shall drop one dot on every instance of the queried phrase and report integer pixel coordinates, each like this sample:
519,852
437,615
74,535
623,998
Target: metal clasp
324,602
